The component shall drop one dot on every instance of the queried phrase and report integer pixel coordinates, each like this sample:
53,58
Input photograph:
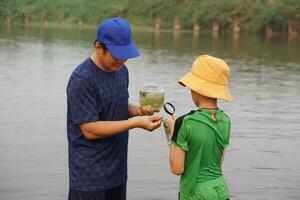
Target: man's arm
102,129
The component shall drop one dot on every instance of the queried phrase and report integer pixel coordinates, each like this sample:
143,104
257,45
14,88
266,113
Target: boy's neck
208,103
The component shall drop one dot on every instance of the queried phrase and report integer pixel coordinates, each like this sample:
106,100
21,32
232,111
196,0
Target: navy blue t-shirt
93,95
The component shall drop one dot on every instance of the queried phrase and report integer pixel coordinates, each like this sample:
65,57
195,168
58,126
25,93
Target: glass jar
152,97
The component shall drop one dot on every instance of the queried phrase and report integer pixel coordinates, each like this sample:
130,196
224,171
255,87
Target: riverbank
268,33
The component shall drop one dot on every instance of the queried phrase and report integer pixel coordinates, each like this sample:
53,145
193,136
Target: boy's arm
177,158
223,155
177,155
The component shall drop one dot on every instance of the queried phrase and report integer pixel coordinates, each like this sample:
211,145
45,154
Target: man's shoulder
82,74
83,71
124,69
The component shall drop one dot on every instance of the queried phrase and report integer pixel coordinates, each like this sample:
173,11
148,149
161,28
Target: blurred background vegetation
269,16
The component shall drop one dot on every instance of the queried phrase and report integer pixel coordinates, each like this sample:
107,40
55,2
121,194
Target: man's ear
98,48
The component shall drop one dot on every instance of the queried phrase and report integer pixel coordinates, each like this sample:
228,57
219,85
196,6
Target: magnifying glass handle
173,116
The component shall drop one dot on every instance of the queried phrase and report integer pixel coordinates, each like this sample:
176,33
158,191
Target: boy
201,136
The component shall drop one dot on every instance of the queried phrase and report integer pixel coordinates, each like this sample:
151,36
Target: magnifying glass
169,108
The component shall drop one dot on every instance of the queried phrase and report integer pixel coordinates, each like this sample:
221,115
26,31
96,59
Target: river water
262,161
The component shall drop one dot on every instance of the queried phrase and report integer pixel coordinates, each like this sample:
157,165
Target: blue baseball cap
115,33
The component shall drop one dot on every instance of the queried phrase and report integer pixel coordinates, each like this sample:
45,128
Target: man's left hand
143,111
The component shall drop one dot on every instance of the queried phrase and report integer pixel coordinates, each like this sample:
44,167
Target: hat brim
205,88
123,52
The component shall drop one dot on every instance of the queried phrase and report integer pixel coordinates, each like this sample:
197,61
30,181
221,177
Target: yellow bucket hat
208,77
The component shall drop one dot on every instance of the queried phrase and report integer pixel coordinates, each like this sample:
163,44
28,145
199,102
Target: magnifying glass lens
169,108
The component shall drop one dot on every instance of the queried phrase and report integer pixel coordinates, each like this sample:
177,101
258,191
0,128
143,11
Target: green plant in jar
152,97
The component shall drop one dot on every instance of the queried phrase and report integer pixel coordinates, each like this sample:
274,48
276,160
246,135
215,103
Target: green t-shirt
203,134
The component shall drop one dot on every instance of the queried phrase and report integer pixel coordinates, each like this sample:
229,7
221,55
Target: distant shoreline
88,26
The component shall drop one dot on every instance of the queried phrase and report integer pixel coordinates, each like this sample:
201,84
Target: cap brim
205,88
123,52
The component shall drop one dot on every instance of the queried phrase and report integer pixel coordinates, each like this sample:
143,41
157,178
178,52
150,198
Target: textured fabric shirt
93,95
203,134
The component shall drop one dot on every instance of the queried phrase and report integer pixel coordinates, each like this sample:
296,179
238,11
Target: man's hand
149,123
142,111
135,110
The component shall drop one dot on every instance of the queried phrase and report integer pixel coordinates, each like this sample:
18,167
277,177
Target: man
98,117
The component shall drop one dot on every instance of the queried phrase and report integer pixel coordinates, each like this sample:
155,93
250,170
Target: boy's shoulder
179,120
201,116
194,120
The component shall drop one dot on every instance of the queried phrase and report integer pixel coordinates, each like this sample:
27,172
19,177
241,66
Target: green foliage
275,17
253,14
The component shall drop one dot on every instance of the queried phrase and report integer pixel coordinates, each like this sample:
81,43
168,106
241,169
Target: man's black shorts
117,193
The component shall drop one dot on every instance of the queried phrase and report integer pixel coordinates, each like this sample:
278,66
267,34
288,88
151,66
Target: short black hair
103,46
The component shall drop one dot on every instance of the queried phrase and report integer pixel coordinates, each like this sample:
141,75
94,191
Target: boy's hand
171,124
169,127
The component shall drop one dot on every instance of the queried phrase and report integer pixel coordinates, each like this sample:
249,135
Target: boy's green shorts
215,189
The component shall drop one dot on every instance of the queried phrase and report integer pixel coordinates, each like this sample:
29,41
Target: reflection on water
262,160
